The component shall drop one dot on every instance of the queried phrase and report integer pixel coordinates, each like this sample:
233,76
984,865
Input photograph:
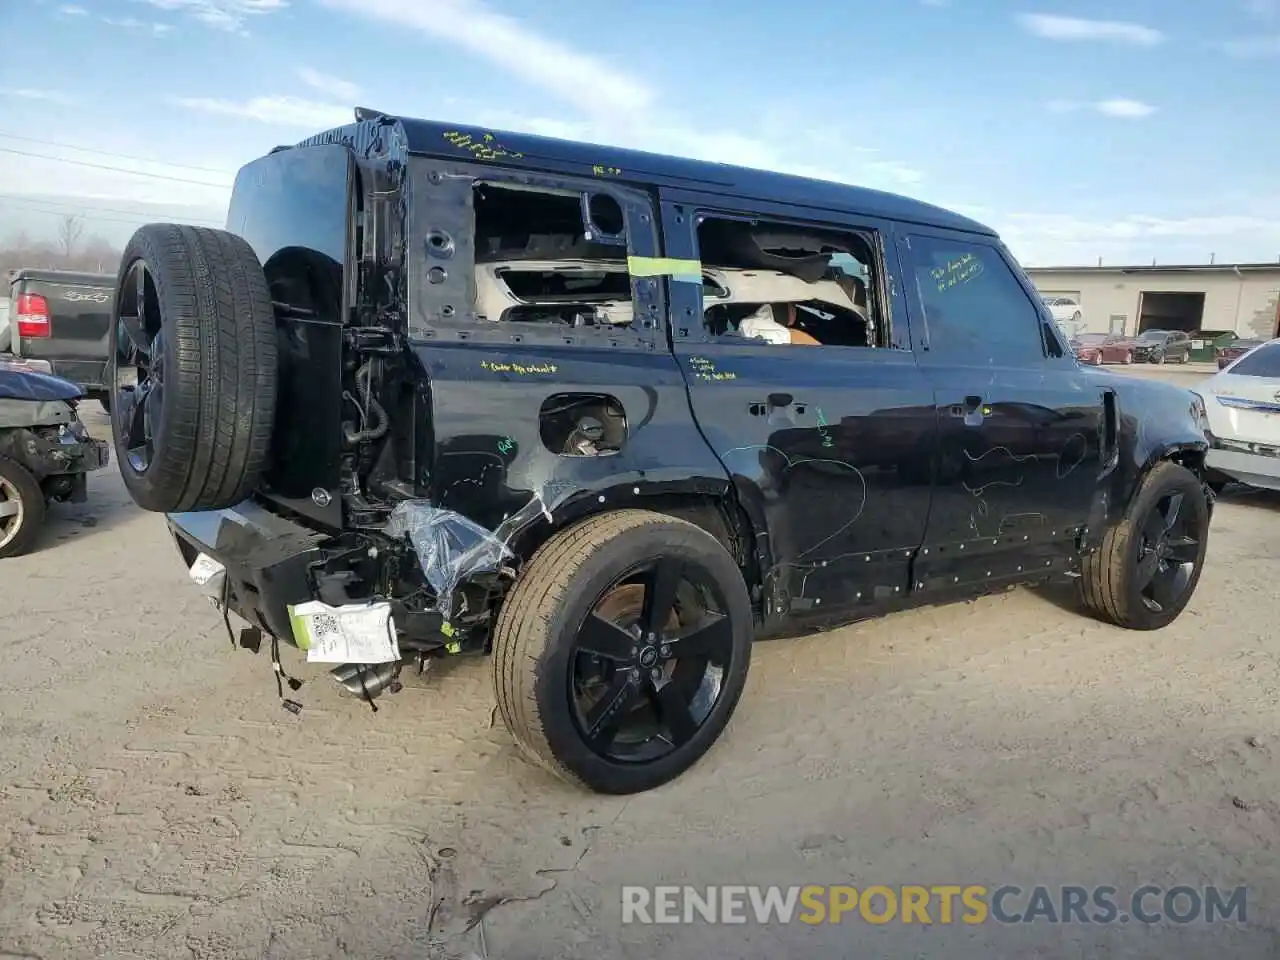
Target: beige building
1244,297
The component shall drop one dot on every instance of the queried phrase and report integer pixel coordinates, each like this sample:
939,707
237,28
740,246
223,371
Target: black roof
523,149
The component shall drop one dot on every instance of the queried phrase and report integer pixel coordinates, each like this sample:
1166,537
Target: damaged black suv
607,417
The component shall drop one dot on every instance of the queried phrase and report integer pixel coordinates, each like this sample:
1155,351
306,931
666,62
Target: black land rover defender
607,416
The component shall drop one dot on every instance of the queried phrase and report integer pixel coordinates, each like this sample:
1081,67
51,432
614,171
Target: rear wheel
22,508
192,368
1147,567
623,651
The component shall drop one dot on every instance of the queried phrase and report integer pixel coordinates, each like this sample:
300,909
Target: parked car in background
45,451
1064,309
1242,404
1236,349
1162,346
1100,348
63,318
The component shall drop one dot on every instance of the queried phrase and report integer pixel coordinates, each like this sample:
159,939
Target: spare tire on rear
193,318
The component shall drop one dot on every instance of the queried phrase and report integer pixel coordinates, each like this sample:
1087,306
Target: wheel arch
1187,454
715,507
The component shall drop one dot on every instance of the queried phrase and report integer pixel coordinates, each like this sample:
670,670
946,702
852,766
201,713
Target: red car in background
1234,350
1100,348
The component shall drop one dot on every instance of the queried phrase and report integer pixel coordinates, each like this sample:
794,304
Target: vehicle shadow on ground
107,507
1250,497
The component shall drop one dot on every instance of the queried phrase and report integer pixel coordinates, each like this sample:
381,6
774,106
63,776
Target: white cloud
285,111
1253,48
1046,239
228,15
615,106
131,23
588,82
1127,109
33,93
71,10
1115,107
328,84
1053,27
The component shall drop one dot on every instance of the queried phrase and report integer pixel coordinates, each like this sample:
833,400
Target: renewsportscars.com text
933,904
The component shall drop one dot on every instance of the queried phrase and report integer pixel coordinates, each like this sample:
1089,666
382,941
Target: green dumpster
1204,344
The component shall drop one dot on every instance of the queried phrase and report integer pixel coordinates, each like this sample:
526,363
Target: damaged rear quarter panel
492,387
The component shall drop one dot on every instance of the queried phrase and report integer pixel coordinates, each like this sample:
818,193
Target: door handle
972,411
775,401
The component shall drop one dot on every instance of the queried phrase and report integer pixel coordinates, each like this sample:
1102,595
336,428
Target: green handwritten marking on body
506,445
705,369
603,171
519,369
824,430
958,271
483,148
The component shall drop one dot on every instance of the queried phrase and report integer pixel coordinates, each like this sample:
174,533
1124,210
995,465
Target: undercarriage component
367,680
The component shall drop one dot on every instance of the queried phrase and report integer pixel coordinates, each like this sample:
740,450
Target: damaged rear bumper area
344,598
249,562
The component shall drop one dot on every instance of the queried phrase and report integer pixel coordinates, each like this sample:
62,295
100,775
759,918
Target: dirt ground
156,801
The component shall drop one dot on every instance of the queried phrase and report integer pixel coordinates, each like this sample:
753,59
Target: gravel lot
156,801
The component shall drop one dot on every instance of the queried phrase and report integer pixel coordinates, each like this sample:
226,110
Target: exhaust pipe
367,680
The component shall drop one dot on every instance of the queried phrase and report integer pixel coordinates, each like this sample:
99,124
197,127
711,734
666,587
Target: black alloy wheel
138,370
1145,569
649,661
1168,549
623,650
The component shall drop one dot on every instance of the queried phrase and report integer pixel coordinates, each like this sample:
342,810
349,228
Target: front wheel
21,508
1148,565
622,652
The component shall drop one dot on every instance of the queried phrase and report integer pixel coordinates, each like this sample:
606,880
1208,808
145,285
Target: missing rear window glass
787,284
538,260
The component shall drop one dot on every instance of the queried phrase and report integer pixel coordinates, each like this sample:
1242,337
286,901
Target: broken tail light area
33,316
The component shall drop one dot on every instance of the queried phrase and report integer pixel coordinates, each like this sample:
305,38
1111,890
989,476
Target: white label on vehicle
209,575
352,633
1197,344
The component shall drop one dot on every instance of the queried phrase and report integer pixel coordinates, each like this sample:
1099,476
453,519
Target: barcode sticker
353,633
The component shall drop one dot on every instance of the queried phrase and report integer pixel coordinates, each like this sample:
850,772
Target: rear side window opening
555,259
761,277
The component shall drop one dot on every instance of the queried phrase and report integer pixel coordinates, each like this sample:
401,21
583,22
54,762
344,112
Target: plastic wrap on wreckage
452,548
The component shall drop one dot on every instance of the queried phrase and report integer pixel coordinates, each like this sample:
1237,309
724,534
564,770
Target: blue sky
1128,130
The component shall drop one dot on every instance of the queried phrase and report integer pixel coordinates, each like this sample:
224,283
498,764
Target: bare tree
94,255
70,229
